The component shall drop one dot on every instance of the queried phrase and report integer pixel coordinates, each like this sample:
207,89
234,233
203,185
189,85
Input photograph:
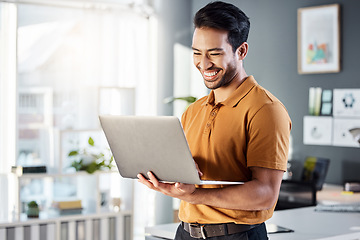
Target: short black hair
224,16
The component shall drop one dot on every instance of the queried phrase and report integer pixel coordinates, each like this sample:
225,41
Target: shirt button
208,124
213,113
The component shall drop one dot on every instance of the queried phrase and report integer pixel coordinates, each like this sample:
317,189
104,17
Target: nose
204,63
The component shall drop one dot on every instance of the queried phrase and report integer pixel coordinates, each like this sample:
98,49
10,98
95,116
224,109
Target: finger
181,186
185,188
144,181
141,177
153,179
198,169
178,186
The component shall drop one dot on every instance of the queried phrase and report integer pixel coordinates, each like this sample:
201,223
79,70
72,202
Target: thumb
179,186
185,188
182,187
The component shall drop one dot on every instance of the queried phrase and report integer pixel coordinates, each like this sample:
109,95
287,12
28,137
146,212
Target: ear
242,50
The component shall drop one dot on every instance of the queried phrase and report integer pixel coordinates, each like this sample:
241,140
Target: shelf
44,218
59,175
93,190
111,225
106,210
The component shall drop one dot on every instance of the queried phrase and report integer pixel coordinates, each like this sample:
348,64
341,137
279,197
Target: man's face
213,56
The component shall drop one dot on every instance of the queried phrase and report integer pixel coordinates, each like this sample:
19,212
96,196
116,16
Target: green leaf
73,153
92,167
77,165
189,99
91,141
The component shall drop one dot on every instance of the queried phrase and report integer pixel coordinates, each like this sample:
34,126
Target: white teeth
210,74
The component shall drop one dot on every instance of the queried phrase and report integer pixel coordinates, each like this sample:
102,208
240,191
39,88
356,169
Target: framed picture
319,39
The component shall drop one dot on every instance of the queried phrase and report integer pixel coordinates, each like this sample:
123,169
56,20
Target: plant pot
33,212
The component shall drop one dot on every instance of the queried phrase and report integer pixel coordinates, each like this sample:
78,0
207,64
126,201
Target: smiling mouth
210,75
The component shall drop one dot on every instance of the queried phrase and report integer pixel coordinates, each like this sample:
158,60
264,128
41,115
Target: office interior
62,63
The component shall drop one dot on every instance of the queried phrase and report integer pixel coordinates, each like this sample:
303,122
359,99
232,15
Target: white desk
309,224
306,223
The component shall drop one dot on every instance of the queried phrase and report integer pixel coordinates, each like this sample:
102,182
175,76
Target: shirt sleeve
269,132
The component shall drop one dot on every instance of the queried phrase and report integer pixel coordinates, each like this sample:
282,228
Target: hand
177,190
198,169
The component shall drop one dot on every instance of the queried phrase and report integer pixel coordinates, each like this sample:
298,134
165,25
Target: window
63,65
67,59
68,64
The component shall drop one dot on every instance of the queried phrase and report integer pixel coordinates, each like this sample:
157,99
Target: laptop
141,144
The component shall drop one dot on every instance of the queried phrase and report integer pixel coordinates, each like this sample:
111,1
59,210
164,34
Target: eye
197,53
215,54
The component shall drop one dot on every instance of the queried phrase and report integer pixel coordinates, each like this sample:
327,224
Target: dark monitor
315,170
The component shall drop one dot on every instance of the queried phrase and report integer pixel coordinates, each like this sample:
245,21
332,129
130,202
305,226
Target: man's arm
260,193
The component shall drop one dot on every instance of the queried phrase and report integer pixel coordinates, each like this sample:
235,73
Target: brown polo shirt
250,128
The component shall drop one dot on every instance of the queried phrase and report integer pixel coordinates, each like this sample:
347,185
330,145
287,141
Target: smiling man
216,64
239,132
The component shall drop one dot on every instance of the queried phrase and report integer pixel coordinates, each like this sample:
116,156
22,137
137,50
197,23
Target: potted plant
33,210
91,159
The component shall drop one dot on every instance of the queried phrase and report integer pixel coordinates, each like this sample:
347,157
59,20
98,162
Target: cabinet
101,211
92,226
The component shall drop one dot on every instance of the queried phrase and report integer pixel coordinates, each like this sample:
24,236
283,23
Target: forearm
249,196
260,193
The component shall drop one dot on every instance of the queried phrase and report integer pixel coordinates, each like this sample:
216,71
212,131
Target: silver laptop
141,144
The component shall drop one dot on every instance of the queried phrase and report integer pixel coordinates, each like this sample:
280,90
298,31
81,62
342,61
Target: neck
222,93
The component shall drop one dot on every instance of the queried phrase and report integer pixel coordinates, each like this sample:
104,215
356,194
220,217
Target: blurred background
64,62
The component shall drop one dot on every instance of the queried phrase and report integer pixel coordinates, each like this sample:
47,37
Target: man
239,132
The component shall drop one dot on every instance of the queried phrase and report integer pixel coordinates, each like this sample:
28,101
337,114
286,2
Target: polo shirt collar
237,95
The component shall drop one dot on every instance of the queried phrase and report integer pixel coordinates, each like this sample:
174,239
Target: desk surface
332,194
306,223
310,224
